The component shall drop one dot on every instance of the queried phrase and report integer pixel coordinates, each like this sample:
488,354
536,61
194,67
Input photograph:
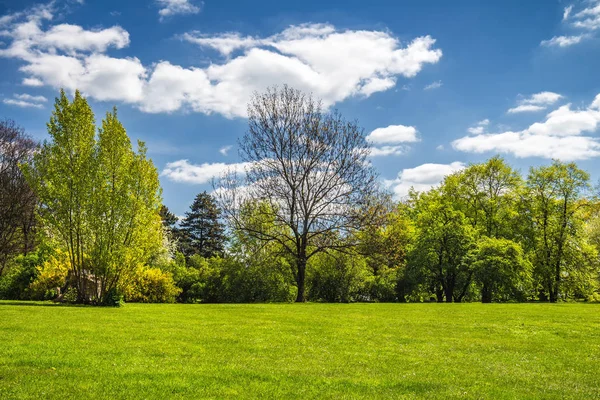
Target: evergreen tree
202,231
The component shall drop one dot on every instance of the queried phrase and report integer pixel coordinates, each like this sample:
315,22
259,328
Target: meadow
331,351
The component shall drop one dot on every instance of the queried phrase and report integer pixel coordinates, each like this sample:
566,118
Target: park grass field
293,351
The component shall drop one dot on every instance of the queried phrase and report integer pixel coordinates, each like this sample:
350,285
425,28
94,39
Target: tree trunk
554,293
439,294
300,279
449,294
486,293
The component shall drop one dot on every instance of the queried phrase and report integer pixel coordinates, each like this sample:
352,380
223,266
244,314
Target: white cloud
563,41
433,85
22,103
559,136
32,82
225,43
176,7
28,97
388,151
479,127
332,64
537,102
388,141
567,12
393,134
525,108
25,100
589,17
421,178
586,20
225,149
184,172
476,130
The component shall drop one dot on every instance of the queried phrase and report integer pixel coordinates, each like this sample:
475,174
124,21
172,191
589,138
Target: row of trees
306,221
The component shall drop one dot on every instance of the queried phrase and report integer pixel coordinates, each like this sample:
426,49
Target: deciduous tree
311,167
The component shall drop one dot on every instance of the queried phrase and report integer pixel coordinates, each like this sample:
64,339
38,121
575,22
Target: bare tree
17,201
310,167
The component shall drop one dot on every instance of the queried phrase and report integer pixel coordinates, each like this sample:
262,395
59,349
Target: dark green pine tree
203,232
168,218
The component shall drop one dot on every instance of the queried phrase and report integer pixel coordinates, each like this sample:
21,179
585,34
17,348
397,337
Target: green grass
334,351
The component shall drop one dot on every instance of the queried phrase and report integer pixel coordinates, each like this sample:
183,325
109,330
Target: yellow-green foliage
151,285
51,275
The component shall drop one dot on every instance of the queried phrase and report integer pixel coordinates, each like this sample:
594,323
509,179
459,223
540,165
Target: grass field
333,351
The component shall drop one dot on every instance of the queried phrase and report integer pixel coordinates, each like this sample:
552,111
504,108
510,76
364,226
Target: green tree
487,194
385,246
555,197
63,177
501,269
203,233
99,199
443,241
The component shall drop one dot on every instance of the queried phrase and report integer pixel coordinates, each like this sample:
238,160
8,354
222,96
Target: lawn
333,351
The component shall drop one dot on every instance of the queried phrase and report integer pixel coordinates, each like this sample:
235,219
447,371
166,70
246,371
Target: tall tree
310,167
203,233
555,198
17,200
487,194
98,198
444,240
62,177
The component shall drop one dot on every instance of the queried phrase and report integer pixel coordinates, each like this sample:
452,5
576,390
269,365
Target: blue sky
435,84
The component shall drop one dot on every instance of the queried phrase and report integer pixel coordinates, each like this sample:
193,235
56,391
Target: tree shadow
38,303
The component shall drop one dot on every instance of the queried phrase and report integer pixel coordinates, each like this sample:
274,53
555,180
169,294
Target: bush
341,278
70,296
112,298
151,285
14,284
51,275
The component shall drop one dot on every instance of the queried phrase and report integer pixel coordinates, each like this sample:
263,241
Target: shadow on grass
39,304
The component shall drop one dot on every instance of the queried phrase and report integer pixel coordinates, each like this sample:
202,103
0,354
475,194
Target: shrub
340,278
112,298
50,275
14,284
151,285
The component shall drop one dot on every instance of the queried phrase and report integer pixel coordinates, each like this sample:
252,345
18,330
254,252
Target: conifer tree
202,230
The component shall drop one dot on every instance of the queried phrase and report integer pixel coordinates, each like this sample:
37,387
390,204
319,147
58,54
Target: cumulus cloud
169,8
559,136
537,102
391,140
184,172
393,134
421,178
331,63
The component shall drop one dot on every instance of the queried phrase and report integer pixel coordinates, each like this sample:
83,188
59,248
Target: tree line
82,220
